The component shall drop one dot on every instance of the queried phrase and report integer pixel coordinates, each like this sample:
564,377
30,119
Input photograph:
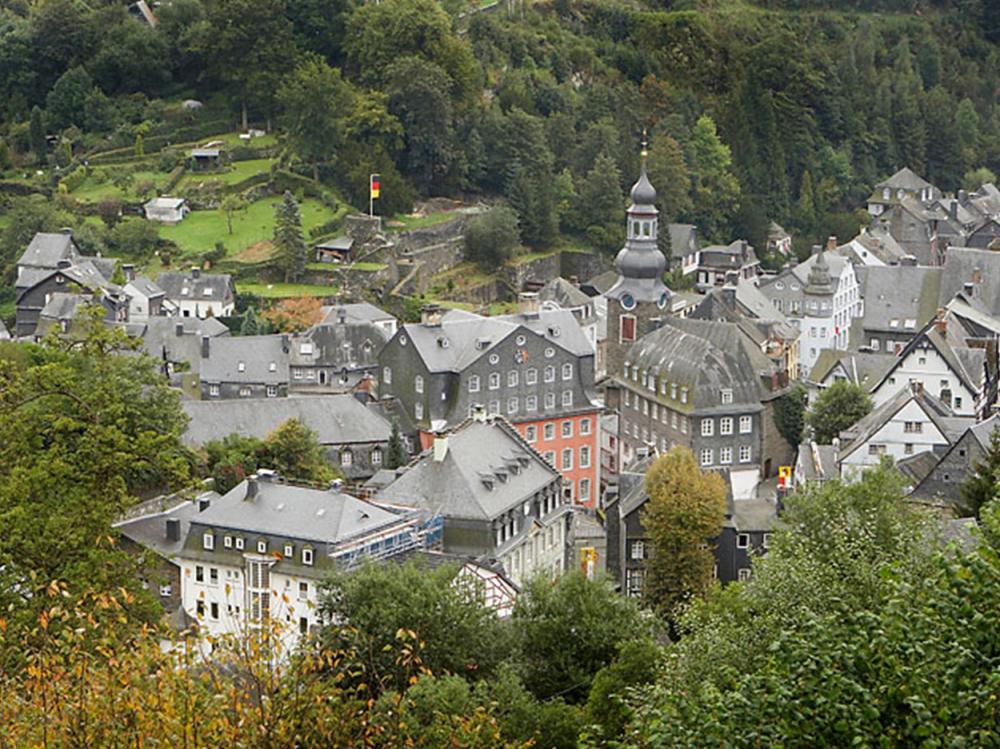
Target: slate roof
967,363
563,293
479,452
165,202
752,515
749,299
46,249
339,243
602,282
876,240
355,312
160,339
791,282
705,356
735,255
906,179
324,516
900,294
211,287
940,415
341,346
916,467
144,286
862,369
256,352
336,419
682,238
963,265
150,530
818,462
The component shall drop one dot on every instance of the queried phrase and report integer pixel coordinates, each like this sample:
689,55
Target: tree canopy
838,407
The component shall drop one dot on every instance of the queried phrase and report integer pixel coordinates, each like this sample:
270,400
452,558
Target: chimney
336,486
430,315
67,231
969,288
252,487
284,343
440,447
178,329
575,280
732,277
728,294
173,529
195,271
203,503
940,324
909,261
267,474
831,242
205,345
963,197
341,315
977,275
527,303
479,413
129,270
953,209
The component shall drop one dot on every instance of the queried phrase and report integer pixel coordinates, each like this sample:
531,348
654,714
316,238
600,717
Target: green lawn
237,172
91,191
202,229
284,290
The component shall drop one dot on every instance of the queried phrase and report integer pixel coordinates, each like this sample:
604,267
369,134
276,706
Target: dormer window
208,541
307,557
727,396
289,551
185,291
241,366
239,543
262,546
272,367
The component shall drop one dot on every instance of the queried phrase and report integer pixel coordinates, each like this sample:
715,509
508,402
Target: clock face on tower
628,301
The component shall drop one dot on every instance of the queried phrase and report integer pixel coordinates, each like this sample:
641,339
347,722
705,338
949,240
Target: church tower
639,300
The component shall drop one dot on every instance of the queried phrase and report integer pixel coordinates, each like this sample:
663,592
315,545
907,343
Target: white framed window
474,384
585,426
377,456
512,404
707,427
725,455
584,489
743,574
208,541
706,456
727,396
387,375
745,453
531,376
244,392
742,540
418,384
567,371
684,395
767,541
746,424
272,367
213,390
262,546
289,551
584,457
567,458
241,366
418,411
494,381
908,448
227,542
567,397
303,591
306,348
346,457
531,434
549,432
913,427
673,391
567,429
297,374
239,543
531,403
494,407
638,550
512,378
272,391
876,449
726,425
550,400
550,374
307,556
166,590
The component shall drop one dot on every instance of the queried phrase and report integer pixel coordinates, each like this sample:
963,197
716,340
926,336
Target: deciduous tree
838,407
686,509
492,237
315,100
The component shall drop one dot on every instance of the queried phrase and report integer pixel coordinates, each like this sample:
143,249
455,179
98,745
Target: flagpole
371,198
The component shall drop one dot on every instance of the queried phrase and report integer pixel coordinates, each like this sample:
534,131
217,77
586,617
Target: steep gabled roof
965,265
897,294
256,353
866,370
46,249
966,363
207,287
938,413
564,293
488,470
905,179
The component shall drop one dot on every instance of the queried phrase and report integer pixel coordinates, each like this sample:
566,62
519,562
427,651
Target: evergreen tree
967,129
290,248
805,210
36,133
397,449
600,203
250,324
980,487
669,175
716,190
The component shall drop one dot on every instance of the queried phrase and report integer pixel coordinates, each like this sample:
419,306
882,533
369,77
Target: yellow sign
784,472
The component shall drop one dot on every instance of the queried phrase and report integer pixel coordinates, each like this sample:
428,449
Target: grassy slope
202,229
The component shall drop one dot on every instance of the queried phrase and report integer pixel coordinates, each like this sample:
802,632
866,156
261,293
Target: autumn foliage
294,315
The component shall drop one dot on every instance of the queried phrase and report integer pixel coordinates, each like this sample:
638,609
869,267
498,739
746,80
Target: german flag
376,183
